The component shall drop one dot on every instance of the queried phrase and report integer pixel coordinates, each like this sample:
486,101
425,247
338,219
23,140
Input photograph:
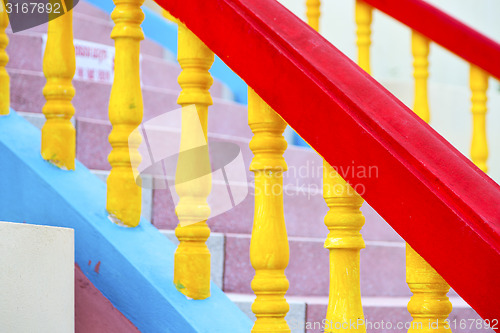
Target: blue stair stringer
136,264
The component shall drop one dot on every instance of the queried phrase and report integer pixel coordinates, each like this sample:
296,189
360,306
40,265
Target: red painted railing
444,30
432,195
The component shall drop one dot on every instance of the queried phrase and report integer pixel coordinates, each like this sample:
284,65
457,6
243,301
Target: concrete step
382,314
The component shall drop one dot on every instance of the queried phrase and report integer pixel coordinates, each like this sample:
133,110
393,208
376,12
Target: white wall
392,65
36,279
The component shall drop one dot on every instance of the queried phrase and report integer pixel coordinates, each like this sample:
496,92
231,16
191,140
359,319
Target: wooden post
420,50
479,87
429,306
269,251
344,221
125,114
363,13
58,133
192,258
313,13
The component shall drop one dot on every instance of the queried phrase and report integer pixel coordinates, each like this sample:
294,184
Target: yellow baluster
58,133
363,21
344,221
192,258
420,50
429,306
479,146
125,114
269,250
313,13
4,59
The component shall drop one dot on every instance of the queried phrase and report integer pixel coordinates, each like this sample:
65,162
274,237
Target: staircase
383,287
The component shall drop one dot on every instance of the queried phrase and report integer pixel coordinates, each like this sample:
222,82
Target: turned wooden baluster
479,86
192,258
4,59
58,133
344,221
420,50
313,13
429,306
363,15
269,250
125,114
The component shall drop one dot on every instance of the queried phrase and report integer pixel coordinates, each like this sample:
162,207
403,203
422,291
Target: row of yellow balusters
269,238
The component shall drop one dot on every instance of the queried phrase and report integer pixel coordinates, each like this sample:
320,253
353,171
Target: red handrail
432,195
444,30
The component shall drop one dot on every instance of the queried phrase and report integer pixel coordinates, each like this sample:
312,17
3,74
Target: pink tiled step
382,315
93,28
156,73
304,204
382,267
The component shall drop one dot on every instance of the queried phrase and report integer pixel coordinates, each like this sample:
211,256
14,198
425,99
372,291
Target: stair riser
92,99
89,29
155,73
239,219
304,215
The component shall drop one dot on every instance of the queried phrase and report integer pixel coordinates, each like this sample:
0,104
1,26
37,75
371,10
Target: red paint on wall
94,313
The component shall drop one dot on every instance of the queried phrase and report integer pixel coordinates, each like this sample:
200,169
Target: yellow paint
192,258
4,59
269,250
420,50
313,13
170,17
479,147
58,133
125,114
429,306
344,241
344,221
363,15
